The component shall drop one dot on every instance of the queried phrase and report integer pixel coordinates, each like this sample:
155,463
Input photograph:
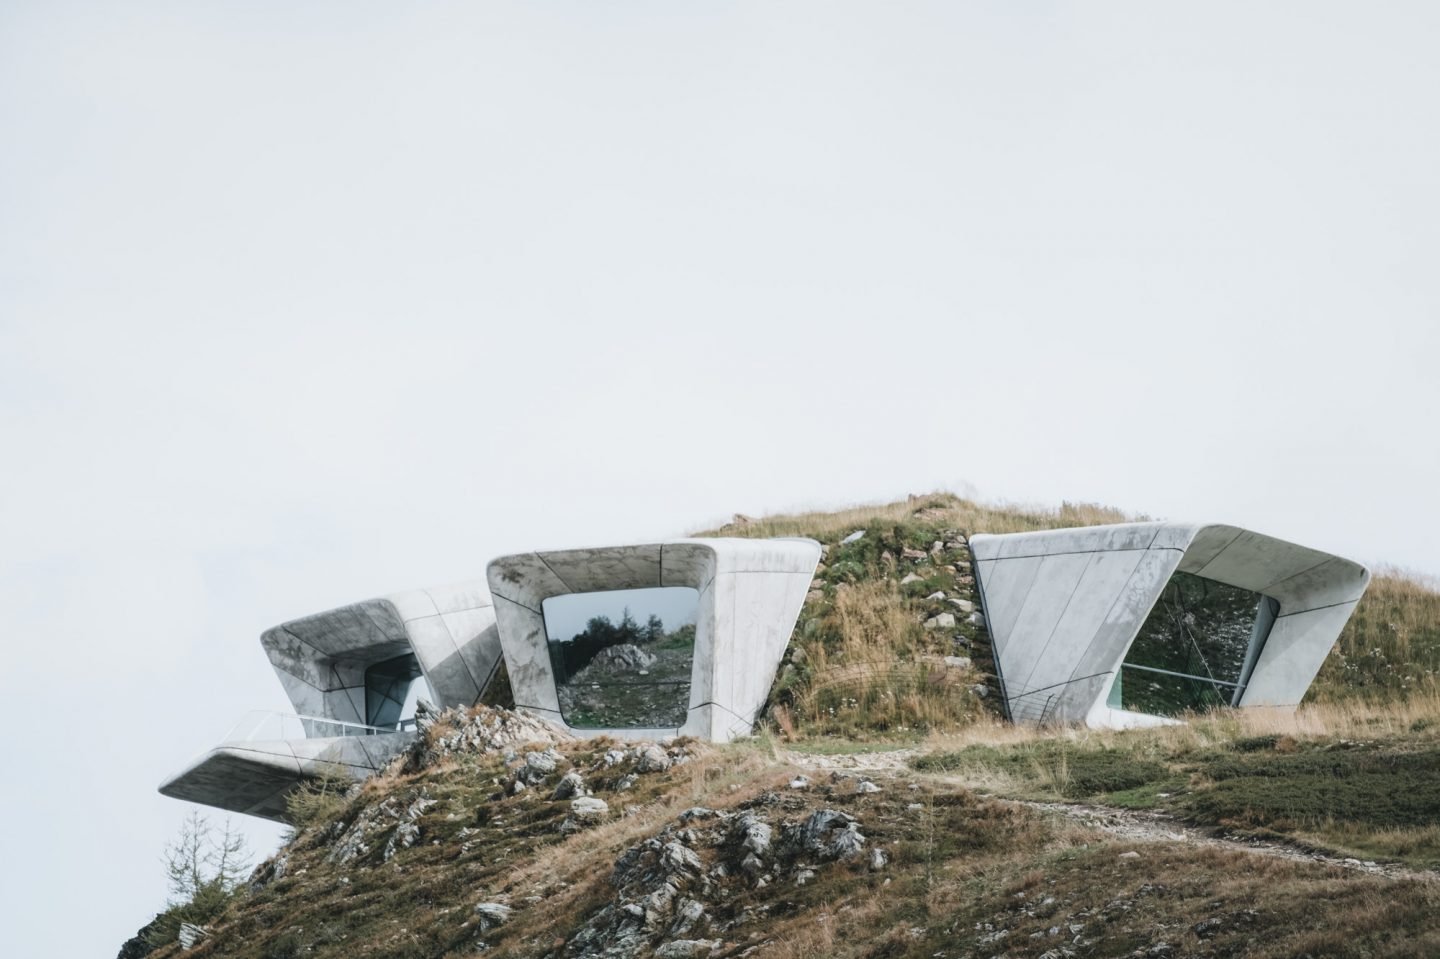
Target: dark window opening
388,691
1195,650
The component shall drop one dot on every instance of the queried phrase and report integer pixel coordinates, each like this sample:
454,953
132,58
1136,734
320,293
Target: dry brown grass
942,507
1390,648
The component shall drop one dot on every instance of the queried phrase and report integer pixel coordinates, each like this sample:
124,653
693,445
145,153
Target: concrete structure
348,672
750,594
1063,608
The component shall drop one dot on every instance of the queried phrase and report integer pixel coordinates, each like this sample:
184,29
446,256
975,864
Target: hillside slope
885,810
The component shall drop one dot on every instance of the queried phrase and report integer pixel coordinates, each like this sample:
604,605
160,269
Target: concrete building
1119,626
353,675
747,596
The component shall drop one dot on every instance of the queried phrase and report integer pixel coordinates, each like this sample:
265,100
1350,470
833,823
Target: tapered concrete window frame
321,661
1064,606
750,593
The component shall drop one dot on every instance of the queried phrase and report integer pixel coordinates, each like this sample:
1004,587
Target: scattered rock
191,934
799,782
879,859
1132,854
964,605
798,657
914,554
980,690
854,537
492,914
942,621
652,759
936,548
571,786
687,948
589,809
815,596
866,786
911,578
977,619
935,596
958,662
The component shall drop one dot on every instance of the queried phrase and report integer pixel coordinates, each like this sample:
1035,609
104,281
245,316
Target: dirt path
1134,825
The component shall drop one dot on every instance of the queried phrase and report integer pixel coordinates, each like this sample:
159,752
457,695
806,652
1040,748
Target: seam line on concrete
1313,609
513,602
1061,618
454,643
1307,569
553,573
1111,609
1223,550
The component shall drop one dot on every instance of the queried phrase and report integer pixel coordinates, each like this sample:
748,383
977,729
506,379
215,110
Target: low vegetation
951,832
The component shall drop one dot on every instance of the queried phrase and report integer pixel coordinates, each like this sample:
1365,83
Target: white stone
943,621
856,536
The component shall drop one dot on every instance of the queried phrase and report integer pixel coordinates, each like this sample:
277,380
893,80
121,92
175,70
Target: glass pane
622,658
387,685
1192,651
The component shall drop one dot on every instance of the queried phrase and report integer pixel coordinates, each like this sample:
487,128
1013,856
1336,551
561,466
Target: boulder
942,621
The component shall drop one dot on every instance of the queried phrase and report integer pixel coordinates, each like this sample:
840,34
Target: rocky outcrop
675,891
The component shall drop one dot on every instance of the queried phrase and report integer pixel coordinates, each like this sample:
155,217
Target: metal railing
265,724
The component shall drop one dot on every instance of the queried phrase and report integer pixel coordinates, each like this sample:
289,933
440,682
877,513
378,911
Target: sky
306,303
566,615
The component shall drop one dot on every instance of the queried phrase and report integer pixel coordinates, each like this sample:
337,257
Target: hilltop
884,808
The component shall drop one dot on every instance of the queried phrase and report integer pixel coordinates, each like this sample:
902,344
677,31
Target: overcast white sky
302,303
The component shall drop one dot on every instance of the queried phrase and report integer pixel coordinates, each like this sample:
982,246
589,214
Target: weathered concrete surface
1064,606
255,777
321,659
750,594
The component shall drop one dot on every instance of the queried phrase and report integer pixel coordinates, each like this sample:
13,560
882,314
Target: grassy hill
885,809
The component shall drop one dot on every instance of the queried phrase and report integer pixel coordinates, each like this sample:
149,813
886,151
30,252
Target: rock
589,809
977,619
879,859
753,833
942,621
627,781
866,786
571,786
799,782
935,596
688,913
958,662
914,554
1132,854
815,596
492,914
798,657
980,690
887,557
652,759
936,548
955,544
830,834
687,948
191,934
964,605
911,578
854,537
804,876
914,807
622,657
537,766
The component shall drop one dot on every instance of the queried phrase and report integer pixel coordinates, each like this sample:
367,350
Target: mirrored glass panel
1196,648
390,689
622,658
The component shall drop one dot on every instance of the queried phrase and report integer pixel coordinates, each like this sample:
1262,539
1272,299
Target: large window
622,658
1196,648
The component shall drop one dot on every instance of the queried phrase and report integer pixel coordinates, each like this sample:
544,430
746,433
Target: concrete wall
1063,607
750,594
321,659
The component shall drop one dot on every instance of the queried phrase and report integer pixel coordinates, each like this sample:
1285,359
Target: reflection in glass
1195,649
622,658
388,690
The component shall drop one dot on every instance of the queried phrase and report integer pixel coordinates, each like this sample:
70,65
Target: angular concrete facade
750,593
344,724
1064,606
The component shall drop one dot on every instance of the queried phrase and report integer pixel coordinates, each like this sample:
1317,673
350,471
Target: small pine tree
205,868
